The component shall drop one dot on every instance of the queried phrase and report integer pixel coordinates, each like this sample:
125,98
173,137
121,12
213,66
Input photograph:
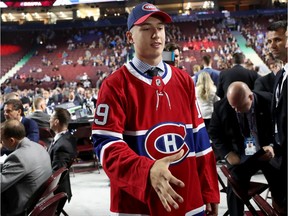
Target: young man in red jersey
149,134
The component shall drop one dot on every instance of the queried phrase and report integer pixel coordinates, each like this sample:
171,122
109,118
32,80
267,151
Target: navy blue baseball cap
143,11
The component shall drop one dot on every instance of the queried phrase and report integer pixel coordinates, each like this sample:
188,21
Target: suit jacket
280,116
31,128
214,74
61,152
280,111
224,129
79,99
236,73
41,118
265,83
23,172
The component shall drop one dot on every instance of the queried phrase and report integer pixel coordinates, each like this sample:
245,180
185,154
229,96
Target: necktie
279,86
152,72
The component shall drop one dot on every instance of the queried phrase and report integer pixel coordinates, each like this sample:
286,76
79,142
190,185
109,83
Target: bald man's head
240,97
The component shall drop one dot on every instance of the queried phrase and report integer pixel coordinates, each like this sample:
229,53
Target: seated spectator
6,97
87,83
89,102
39,115
64,54
63,148
26,102
192,58
241,124
44,60
33,70
24,170
93,45
39,70
84,77
71,96
56,68
13,109
79,96
46,78
22,76
80,60
48,99
29,79
64,62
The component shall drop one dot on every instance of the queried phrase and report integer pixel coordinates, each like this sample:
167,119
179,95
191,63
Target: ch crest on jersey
166,139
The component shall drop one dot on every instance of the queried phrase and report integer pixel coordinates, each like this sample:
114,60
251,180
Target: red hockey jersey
139,120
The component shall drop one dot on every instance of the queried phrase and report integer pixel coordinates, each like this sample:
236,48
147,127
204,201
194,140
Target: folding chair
48,207
264,206
43,143
45,136
85,147
254,188
45,190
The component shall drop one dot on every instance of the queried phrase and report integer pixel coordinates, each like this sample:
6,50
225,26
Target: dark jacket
236,73
31,128
225,131
61,153
265,83
279,114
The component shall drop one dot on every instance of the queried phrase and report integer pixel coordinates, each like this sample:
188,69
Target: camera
168,57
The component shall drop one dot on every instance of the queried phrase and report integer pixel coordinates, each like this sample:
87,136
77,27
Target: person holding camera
174,49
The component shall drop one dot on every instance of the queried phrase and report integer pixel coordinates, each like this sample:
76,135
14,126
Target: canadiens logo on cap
149,7
143,11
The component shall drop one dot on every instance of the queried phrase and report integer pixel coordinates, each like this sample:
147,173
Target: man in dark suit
63,148
48,100
23,171
240,126
39,115
266,83
236,73
277,44
13,109
207,63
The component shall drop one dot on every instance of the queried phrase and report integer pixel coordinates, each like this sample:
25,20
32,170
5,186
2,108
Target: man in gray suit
39,115
23,171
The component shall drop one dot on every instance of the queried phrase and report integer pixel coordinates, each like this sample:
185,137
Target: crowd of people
107,47
157,130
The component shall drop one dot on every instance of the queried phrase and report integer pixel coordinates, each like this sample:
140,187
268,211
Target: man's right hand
161,180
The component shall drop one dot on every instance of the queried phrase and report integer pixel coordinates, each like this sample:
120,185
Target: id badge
250,146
